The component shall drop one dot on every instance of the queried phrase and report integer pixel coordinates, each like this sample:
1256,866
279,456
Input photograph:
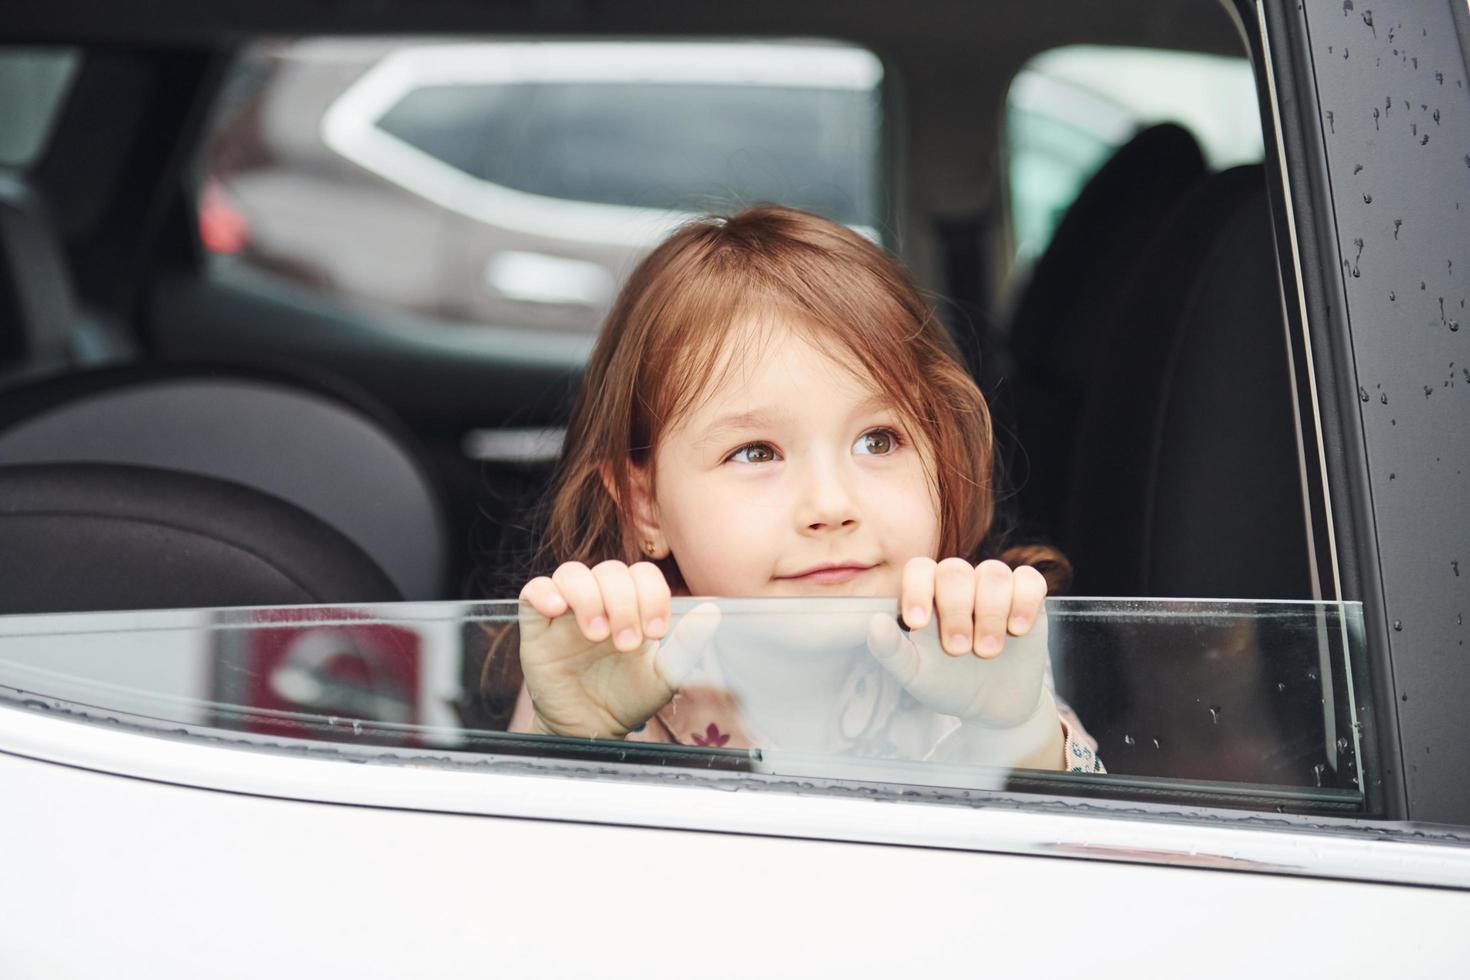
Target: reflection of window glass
678,147
1229,703
32,83
1068,109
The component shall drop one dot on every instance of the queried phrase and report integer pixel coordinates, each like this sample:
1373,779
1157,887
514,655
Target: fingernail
655,627
990,645
627,639
597,628
1020,624
915,616
958,643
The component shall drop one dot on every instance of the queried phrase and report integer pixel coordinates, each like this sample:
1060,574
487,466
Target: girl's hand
977,604
1009,717
590,649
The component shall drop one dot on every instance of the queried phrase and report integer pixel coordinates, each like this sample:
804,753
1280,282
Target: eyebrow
739,422
764,418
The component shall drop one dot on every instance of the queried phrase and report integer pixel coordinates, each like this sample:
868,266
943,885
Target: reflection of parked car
524,178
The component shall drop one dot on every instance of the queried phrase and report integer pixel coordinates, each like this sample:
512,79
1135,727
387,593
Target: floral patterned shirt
872,717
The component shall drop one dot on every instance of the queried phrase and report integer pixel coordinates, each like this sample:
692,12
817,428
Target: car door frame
1372,534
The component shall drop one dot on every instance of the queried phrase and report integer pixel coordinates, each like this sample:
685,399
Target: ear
640,508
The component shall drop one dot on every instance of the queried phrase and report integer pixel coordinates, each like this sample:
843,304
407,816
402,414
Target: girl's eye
877,442
756,452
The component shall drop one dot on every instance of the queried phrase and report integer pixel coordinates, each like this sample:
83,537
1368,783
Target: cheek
907,513
724,540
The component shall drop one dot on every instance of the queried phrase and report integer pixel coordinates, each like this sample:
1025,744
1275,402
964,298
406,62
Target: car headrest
1188,476
1094,252
1057,326
84,536
310,448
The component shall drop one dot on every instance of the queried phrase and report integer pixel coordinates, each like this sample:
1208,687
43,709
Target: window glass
513,184
1071,107
1240,704
32,84
653,146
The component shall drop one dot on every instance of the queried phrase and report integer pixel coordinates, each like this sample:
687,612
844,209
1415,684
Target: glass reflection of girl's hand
967,675
590,647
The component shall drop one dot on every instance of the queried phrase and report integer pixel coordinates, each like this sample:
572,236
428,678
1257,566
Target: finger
993,592
620,599
893,649
954,598
916,597
579,588
654,601
540,594
1029,587
678,654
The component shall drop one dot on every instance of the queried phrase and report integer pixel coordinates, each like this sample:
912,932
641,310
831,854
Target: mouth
834,574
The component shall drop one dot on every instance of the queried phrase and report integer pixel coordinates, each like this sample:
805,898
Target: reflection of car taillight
222,228
295,669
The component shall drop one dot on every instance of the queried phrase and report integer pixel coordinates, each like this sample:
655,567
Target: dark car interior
1138,368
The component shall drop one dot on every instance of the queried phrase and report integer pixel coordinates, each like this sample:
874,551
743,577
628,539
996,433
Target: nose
827,499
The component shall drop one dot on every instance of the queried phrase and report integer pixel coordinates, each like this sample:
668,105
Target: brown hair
658,351
660,345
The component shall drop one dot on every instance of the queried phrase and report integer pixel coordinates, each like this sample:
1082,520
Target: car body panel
180,882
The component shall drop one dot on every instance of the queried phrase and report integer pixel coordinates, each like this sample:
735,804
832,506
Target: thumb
679,651
532,621
893,648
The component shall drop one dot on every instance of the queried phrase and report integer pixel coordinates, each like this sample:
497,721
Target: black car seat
318,449
1187,478
80,537
1055,331
87,536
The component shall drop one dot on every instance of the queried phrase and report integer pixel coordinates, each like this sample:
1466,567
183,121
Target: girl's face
793,477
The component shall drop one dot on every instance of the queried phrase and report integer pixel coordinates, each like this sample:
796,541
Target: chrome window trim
682,800
1310,366
1306,338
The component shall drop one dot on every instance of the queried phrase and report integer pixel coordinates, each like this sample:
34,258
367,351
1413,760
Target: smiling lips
828,574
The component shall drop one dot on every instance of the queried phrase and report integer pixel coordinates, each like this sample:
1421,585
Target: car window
675,148
1239,704
1069,108
512,184
33,82
492,184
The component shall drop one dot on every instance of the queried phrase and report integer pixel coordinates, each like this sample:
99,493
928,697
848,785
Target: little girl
772,410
